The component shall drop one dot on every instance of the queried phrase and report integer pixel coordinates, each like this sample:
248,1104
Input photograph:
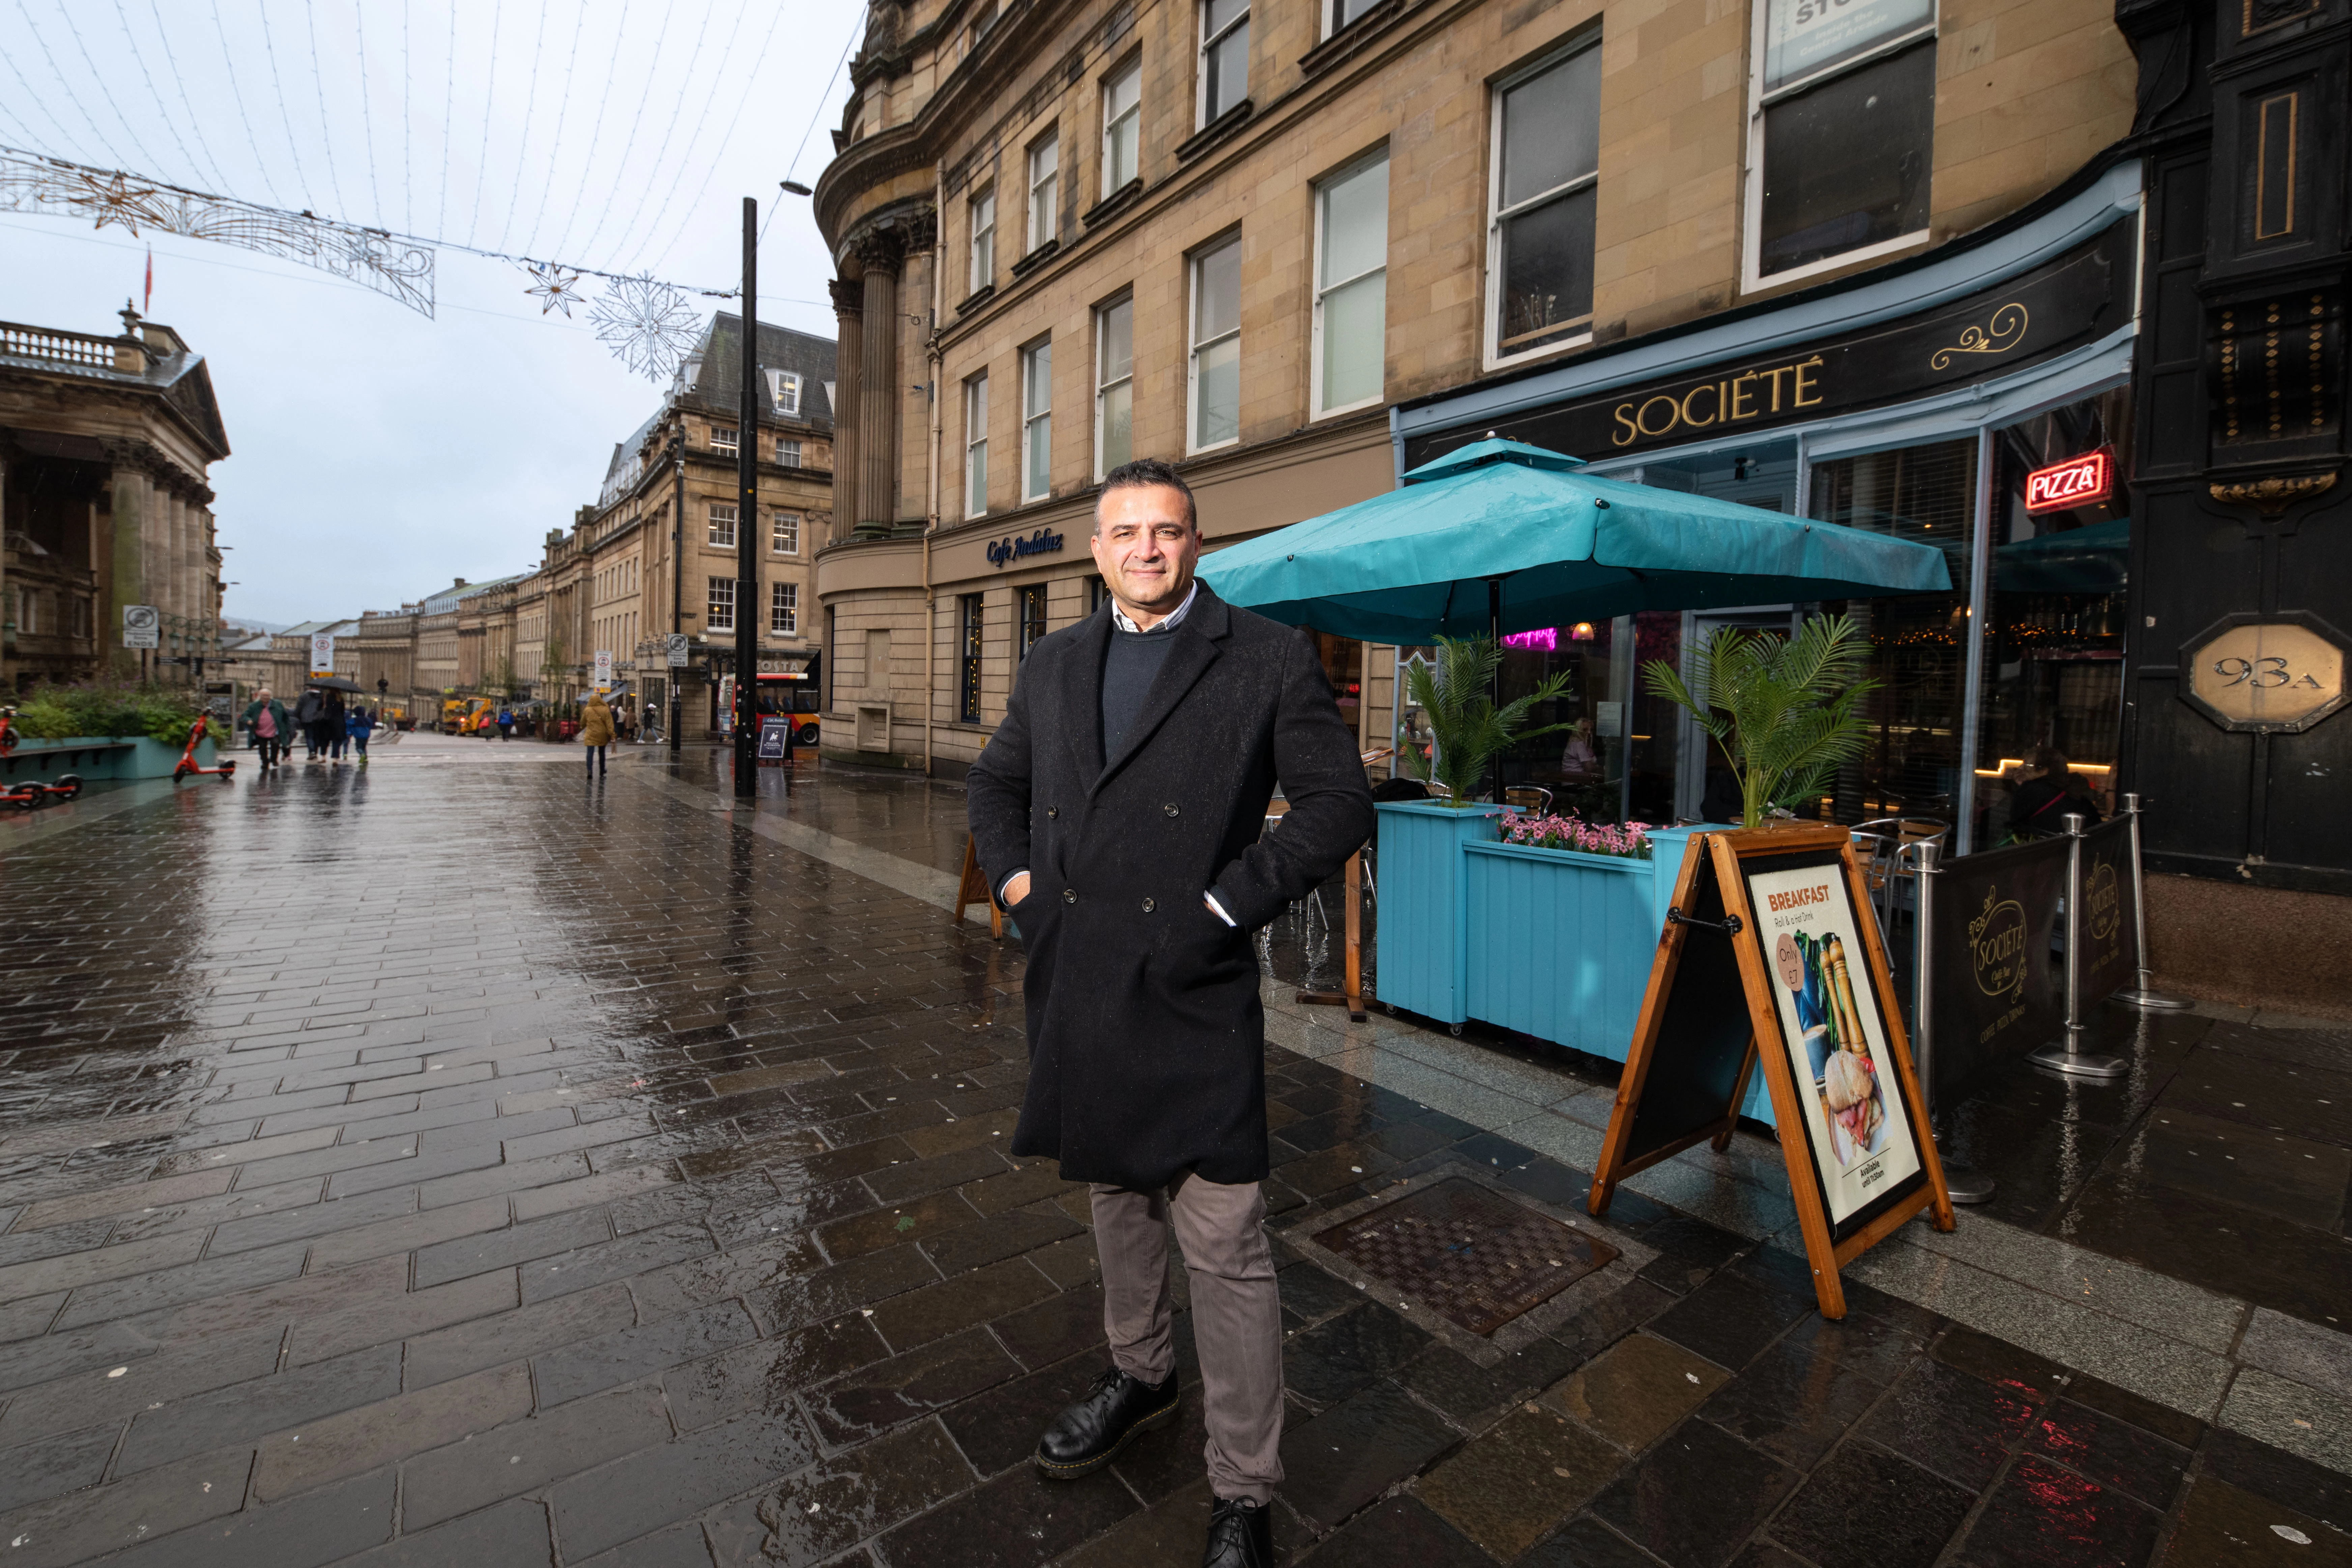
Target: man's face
1792,962
1145,547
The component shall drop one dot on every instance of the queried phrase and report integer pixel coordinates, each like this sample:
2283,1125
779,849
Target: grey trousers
1236,1314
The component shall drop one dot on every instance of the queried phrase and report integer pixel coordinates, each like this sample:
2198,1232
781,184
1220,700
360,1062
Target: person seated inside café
2051,791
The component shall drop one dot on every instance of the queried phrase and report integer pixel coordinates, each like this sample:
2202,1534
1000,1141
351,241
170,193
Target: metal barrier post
2142,994
1966,1184
2070,1057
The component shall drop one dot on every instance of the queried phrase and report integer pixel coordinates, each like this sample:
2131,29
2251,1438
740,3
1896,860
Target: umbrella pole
1494,691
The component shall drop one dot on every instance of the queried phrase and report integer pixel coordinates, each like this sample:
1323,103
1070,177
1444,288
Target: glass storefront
2050,663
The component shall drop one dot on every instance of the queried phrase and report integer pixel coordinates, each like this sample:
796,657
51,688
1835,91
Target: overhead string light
649,324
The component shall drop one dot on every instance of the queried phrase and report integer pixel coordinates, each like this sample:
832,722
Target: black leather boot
1090,1435
1241,1535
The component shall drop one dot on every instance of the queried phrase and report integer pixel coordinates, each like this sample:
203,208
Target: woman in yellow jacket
596,731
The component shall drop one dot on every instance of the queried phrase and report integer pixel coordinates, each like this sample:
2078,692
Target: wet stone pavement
454,1163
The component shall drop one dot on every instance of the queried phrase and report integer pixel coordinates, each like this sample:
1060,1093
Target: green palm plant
1456,695
1786,711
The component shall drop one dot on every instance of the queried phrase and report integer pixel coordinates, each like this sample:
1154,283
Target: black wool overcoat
1147,1043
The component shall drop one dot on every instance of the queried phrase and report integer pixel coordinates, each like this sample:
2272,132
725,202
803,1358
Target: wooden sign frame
1690,1036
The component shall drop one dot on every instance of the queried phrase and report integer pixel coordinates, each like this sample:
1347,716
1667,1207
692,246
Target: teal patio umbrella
1503,537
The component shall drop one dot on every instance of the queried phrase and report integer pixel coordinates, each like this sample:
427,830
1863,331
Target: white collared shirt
1126,623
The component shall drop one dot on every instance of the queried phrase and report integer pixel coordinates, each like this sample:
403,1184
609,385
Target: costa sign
2085,480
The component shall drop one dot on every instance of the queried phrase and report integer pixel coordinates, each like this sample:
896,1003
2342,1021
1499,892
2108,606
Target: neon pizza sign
2085,480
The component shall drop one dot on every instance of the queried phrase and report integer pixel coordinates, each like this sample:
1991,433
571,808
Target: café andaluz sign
2070,300
1004,552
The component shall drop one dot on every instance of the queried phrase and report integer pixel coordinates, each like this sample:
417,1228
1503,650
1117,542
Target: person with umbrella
308,709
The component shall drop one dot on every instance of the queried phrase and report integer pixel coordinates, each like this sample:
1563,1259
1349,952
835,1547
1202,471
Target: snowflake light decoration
555,288
648,325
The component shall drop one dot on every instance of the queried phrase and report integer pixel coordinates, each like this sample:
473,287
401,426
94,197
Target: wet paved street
456,1163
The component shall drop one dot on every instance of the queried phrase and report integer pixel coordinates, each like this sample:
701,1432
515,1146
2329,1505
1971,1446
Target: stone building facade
1236,236
106,448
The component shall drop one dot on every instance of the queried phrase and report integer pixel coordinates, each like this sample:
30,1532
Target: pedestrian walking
596,732
265,720
359,725
332,722
310,709
506,723
1120,809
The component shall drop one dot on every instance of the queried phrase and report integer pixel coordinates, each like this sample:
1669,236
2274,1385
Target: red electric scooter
32,794
187,764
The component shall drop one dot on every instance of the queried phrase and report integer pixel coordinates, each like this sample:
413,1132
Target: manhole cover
1475,1258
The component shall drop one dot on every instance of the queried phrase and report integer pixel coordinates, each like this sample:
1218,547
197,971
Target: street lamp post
677,567
747,517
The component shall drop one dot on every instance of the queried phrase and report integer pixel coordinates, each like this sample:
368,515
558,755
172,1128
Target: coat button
1053,811
1148,906
1170,809
1069,895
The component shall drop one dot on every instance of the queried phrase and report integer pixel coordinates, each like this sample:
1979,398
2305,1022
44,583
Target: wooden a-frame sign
1754,967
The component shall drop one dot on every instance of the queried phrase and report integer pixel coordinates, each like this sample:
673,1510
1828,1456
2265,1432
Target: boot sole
1053,1471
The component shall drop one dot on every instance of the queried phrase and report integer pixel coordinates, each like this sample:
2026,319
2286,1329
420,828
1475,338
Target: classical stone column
920,236
848,387
133,499
877,409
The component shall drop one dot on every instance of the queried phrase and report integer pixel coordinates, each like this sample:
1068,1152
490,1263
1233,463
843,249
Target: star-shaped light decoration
554,288
113,200
648,325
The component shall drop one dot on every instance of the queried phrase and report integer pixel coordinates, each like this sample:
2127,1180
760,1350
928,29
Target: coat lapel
1197,637
1077,696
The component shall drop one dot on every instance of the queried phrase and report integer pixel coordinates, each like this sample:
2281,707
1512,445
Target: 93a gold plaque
2279,676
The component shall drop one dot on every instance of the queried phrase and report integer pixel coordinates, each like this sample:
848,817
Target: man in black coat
1120,809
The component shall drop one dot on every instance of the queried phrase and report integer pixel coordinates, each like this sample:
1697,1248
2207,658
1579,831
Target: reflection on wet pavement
458,1162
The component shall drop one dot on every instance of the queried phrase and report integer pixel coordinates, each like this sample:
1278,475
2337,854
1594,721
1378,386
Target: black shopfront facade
2116,413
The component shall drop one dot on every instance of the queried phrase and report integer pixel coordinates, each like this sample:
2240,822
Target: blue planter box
1551,943
95,757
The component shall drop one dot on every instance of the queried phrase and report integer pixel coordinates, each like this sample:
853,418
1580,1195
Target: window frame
1033,241
1751,238
726,438
1193,347
721,594
777,593
976,440
1330,22
1319,290
1033,422
734,520
1132,118
1102,388
984,237
973,635
1203,43
1491,352
797,452
785,391
776,530
1028,627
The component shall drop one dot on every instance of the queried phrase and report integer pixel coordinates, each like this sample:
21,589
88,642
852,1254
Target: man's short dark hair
1151,471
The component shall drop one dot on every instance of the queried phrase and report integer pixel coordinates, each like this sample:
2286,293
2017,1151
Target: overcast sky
379,453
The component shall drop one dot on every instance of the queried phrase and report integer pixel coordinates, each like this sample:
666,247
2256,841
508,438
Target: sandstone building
106,445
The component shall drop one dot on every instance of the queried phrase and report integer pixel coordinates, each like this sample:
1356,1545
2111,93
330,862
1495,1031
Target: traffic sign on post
141,627
322,653
675,646
603,670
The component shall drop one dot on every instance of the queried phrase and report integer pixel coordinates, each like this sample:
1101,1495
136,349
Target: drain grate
1475,1258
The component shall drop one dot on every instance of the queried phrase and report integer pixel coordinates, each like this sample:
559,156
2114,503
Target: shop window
972,612
1038,421
1096,591
1045,187
1547,162
1216,357
1926,494
975,445
1113,385
1351,286
1029,618
983,241
1122,128
1224,57
1842,133
2054,653
723,524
